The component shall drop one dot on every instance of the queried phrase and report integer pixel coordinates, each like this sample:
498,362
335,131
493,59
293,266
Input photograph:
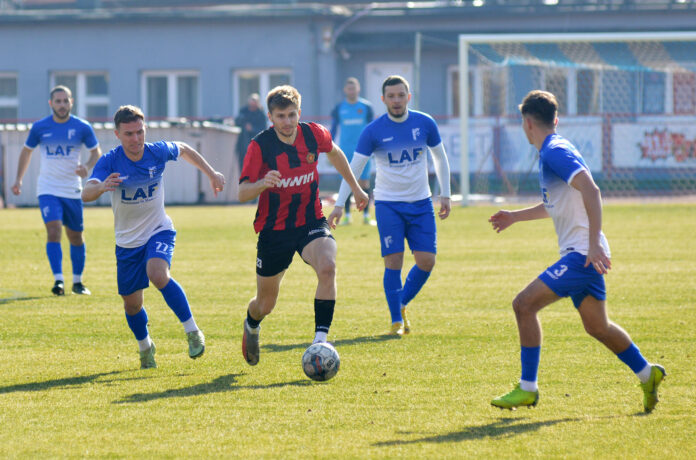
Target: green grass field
71,384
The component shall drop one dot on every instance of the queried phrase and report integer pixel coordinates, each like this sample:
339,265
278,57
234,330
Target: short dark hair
58,89
394,80
540,105
283,96
128,114
352,81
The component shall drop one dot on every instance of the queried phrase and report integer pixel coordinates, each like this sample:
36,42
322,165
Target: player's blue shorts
415,222
570,278
131,263
66,210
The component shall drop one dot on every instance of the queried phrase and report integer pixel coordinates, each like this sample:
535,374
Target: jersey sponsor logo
47,135
545,198
405,157
296,181
59,151
71,133
388,139
311,157
388,240
353,121
558,272
141,193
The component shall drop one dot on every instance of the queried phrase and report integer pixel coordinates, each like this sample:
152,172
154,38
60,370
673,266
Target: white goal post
636,92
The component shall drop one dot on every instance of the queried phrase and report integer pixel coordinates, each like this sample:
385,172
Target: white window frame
10,102
172,94
264,75
83,99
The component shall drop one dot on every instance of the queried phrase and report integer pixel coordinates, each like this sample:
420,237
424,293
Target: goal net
627,102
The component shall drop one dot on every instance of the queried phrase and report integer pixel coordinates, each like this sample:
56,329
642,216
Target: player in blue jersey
145,235
348,119
399,141
61,136
573,201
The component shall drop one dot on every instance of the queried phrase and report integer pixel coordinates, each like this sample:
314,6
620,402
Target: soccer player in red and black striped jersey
280,167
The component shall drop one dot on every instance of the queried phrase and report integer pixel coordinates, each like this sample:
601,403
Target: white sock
526,385
644,374
76,278
58,277
190,325
145,343
320,337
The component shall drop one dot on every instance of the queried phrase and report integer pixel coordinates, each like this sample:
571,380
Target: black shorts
276,248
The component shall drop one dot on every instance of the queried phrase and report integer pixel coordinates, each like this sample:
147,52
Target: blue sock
78,254
530,363
55,257
632,358
392,289
414,282
138,324
175,297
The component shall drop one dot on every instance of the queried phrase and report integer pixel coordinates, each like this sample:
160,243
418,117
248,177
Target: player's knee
264,307
597,329
132,308
326,269
159,278
53,234
521,306
427,265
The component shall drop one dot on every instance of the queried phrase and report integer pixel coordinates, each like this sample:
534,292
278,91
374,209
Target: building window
9,101
588,92
653,92
247,82
684,89
556,82
453,92
90,93
171,94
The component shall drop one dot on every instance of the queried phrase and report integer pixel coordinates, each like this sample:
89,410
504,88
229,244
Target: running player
348,119
61,136
573,200
145,235
400,140
280,167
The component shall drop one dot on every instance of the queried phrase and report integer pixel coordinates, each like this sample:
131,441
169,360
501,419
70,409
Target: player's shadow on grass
22,298
56,383
503,428
221,384
274,348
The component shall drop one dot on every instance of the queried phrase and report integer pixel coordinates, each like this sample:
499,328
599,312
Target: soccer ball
320,361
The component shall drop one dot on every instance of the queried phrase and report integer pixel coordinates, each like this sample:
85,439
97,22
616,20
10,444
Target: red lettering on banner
663,144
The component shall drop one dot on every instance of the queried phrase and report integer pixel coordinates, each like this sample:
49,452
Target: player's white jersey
138,203
401,155
61,145
559,163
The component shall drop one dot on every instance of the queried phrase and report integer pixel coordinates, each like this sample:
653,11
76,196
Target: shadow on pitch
502,428
56,383
221,384
17,298
273,348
